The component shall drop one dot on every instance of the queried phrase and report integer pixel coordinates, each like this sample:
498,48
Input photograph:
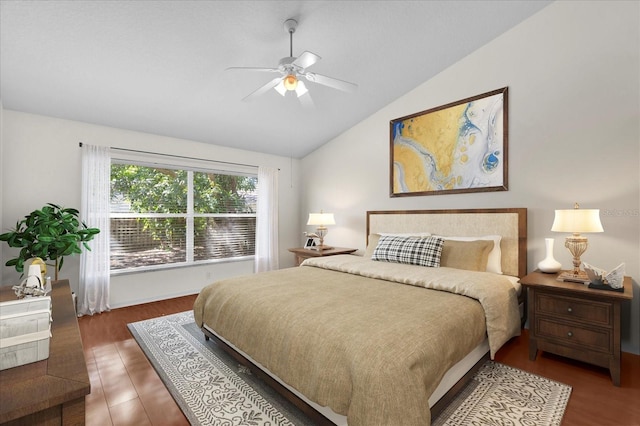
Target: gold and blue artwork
458,147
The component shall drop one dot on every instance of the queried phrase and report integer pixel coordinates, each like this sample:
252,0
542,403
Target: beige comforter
363,342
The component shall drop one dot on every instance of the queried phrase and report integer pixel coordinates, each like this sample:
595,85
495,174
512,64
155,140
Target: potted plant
50,233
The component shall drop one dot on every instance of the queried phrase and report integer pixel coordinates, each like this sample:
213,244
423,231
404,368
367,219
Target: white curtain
93,294
266,258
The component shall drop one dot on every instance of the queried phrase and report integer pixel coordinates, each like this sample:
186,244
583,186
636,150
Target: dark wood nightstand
303,253
572,320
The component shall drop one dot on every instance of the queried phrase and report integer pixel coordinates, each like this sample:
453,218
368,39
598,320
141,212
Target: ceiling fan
292,69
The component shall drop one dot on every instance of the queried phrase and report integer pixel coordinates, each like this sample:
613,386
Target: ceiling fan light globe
290,82
301,89
280,87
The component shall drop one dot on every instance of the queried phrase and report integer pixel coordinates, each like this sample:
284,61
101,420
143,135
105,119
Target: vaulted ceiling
159,66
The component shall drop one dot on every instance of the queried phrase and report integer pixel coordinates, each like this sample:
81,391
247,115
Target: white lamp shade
577,221
320,219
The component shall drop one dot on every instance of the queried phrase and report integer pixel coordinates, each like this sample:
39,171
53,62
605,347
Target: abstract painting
455,148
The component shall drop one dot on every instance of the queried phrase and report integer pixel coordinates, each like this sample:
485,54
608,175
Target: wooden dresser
572,320
51,391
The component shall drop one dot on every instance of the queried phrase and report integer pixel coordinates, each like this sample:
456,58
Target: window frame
189,216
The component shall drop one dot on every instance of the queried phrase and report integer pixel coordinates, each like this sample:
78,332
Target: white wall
574,99
42,163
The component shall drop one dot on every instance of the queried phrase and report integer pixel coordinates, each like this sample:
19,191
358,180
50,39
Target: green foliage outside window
151,190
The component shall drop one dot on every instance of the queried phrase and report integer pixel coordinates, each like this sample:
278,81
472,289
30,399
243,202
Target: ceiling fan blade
253,69
334,83
306,101
261,90
306,59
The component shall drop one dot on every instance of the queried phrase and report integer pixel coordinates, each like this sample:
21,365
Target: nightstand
572,320
303,253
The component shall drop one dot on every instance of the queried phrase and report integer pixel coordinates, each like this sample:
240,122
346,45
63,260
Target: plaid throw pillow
409,250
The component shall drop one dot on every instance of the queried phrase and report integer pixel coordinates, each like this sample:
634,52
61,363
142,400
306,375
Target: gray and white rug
503,395
212,388
209,386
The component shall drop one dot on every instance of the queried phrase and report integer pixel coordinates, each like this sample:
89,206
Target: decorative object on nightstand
309,242
320,220
575,321
603,280
549,264
576,221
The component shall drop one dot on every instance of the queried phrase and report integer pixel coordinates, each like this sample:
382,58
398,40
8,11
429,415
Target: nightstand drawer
591,311
574,335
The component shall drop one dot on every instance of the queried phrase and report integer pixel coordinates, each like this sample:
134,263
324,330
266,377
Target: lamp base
581,277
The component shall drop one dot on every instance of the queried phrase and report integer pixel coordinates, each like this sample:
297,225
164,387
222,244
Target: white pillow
494,261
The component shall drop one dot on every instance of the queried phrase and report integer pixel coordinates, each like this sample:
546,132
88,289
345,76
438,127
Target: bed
380,339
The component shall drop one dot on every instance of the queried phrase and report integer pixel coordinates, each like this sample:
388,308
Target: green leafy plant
50,233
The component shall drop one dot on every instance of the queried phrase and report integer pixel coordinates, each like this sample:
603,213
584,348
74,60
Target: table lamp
576,221
320,220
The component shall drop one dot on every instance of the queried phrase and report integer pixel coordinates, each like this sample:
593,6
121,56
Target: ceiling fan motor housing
286,65
290,25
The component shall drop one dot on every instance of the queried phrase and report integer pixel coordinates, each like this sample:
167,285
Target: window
166,216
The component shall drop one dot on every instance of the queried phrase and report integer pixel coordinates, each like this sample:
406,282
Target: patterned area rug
212,388
209,386
503,395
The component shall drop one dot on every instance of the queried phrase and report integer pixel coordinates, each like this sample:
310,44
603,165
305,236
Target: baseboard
154,299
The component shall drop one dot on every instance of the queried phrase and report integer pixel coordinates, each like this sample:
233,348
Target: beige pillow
469,255
371,245
494,261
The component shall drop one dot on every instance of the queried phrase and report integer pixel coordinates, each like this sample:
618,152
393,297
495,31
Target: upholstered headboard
510,223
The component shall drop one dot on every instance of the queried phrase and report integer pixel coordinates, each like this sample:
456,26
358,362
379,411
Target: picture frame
310,243
455,148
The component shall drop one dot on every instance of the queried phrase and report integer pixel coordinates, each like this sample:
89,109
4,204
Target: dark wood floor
125,390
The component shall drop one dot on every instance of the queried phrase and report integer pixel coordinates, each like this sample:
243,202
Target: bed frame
510,223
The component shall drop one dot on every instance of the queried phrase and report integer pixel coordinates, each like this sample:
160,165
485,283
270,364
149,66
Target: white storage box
25,331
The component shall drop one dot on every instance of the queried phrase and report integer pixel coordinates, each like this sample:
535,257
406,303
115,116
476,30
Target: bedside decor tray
605,287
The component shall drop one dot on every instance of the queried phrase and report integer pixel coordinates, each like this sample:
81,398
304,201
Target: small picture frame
310,243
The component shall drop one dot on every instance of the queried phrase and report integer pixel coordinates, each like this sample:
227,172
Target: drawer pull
570,334
569,310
